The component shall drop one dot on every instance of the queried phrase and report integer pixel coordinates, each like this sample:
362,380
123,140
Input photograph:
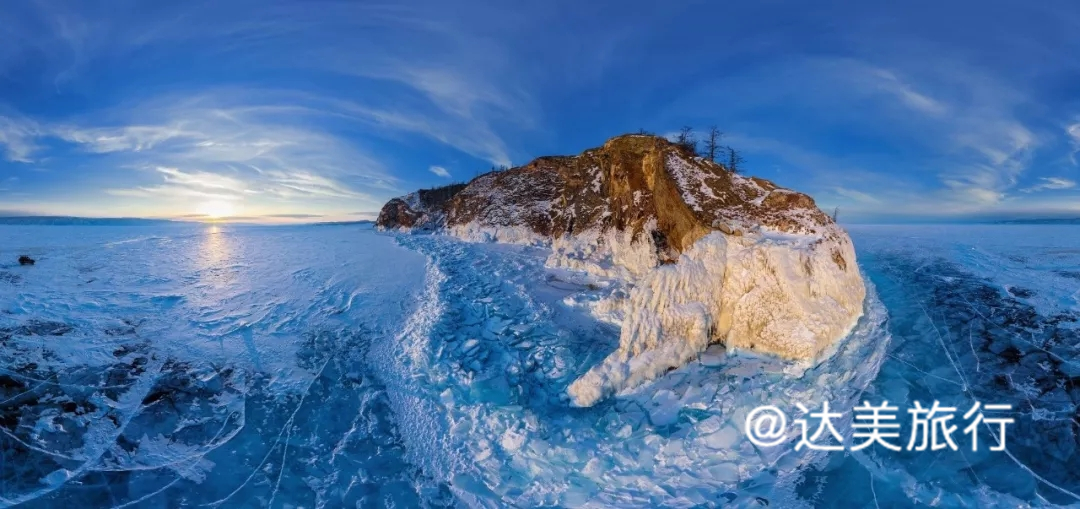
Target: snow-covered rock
704,255
777,294
421,210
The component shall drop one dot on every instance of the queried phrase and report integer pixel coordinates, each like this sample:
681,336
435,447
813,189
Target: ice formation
775,294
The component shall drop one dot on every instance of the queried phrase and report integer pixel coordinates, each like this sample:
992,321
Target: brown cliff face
397,214
425,208
622,185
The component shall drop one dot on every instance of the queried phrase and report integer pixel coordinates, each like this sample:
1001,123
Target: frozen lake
330,366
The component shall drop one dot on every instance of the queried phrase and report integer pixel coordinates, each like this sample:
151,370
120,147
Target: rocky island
708,255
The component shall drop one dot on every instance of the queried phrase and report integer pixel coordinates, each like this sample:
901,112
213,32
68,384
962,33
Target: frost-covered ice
977,312
328,366
773,293
192,365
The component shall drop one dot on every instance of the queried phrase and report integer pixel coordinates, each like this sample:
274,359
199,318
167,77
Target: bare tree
685,139
712,143
735,160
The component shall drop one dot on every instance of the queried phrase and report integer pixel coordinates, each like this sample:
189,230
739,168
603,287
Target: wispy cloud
213,147
440,171
970,123
931,126
1051,183
857,196
287,106
17,138
305,184
179,184
295,216
134,138
375,78
1073,132
276,184
889,82
450,83
474,138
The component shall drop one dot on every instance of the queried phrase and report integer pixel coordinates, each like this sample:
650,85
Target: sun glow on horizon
216,209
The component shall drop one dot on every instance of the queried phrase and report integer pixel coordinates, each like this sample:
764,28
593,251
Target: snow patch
688,177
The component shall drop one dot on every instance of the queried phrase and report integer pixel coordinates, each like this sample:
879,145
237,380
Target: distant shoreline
1067,221
138,221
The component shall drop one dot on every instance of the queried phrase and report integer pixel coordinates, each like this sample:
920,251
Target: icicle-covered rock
777,294
705,255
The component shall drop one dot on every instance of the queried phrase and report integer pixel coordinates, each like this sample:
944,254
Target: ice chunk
722,439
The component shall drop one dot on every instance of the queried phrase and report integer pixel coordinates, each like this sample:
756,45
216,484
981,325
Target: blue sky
304,109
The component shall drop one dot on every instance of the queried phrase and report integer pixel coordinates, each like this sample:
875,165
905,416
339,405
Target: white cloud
202,180
890,189
970,128
475,139
276,184
133,138
440,171
304,184
887,81
856,196
926,125
1051,183
179,184
215,147
17,138
451,84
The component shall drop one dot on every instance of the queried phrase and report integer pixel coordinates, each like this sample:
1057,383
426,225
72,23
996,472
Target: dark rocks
25,260
425,209
398,214
1071,274
37,328
1006,351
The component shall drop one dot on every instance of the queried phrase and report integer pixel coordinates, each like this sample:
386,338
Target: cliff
425,209
708,255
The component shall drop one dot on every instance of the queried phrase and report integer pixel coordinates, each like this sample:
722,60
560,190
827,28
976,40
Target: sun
216,209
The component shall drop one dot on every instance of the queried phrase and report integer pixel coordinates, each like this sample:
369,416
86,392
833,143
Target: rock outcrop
425,209
708,255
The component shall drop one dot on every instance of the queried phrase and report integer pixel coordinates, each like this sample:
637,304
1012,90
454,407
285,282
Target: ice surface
962,332
194,365
336,366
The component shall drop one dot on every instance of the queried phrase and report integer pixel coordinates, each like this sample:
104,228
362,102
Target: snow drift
698,254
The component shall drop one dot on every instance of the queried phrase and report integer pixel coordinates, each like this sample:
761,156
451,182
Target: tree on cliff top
735,160
686,140
712,143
